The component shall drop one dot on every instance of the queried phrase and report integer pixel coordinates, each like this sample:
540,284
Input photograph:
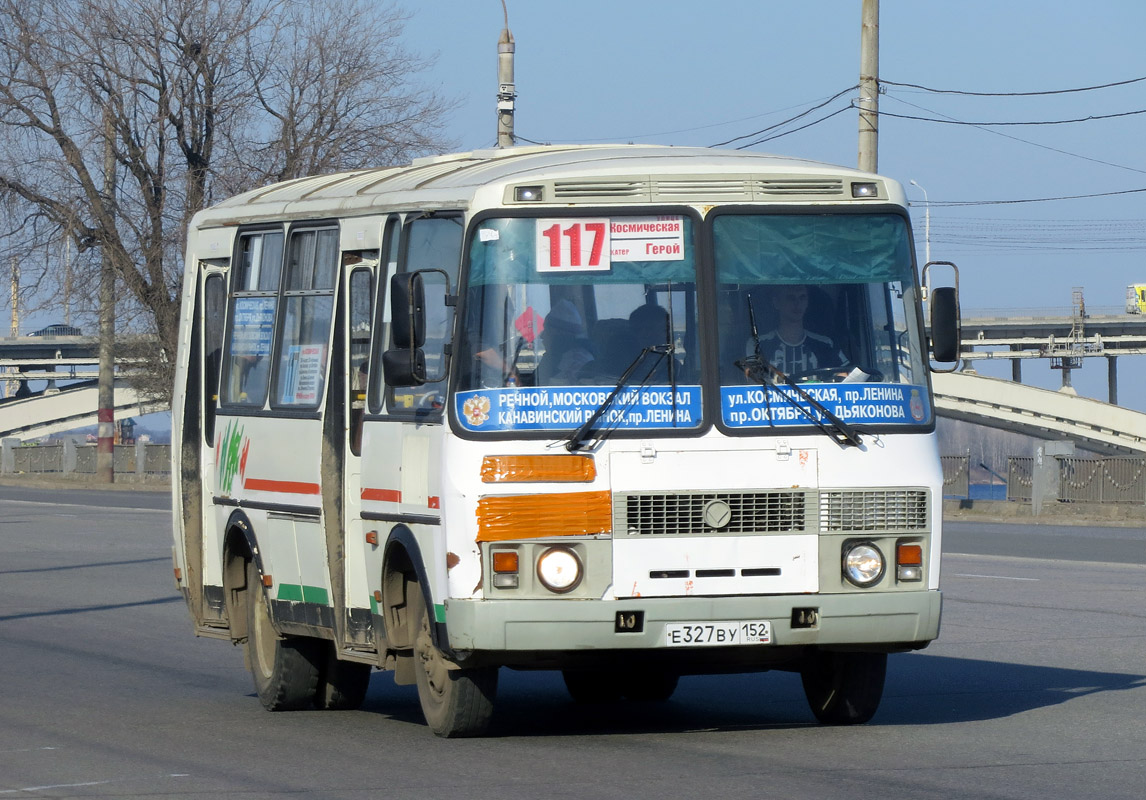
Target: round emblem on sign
717,514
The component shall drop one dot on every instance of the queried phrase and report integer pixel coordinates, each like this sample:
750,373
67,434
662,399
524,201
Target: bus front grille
708,513
868,510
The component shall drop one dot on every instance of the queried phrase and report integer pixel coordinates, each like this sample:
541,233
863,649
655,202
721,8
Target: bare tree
198,99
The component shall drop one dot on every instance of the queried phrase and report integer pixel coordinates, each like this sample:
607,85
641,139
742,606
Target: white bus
625,412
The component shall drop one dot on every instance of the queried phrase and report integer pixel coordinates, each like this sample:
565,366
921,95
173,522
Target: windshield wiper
577,439
760,369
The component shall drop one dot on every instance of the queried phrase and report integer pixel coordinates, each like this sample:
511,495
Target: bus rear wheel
844,688
285,669
456,702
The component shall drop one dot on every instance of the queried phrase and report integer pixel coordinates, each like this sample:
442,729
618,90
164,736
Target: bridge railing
142,459
956,475
1020,478
1102,480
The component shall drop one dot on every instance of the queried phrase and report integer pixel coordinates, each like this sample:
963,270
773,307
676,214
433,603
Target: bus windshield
825,300
558,309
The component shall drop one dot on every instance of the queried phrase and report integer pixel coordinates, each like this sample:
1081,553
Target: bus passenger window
246,366
308,305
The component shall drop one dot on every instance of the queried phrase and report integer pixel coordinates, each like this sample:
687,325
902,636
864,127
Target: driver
789,346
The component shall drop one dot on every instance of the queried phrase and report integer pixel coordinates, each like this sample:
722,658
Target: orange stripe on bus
286,487
384,495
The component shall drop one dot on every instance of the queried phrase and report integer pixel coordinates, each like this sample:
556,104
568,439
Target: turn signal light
909,561
505,561
538,469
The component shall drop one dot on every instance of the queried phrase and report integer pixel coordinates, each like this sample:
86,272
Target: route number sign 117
572,245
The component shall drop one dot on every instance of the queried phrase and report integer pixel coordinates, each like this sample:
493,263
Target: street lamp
926,223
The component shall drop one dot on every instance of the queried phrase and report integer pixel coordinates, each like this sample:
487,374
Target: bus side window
214,305
432,243
360,291
308,305
254,292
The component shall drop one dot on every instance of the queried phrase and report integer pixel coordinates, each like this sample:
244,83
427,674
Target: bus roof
603,174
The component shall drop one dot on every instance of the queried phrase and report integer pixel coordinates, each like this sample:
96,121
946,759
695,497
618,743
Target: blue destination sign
567,407
872,403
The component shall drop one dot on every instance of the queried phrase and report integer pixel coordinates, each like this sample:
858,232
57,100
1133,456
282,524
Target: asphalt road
1035,689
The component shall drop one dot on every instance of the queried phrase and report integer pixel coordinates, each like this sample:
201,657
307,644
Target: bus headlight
863,564
559,570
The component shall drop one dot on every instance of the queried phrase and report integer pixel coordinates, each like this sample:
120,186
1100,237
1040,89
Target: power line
801,115
1036,122
1013,94
794,130
1026,141
959,203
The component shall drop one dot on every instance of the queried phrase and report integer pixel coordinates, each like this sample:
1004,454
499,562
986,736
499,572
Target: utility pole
105,445
506,92
15,296
869,88
67,279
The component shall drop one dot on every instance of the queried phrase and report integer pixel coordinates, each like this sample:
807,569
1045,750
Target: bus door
269,431
200,401
345,532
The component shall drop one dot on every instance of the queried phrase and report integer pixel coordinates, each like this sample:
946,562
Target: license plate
718,634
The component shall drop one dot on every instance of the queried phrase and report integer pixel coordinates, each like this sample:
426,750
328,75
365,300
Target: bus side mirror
407,310
945,327
404,364
404,367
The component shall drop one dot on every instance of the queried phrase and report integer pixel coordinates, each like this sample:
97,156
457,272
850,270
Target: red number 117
554,233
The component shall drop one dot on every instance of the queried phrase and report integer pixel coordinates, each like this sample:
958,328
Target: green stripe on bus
315,594
295,593
440,612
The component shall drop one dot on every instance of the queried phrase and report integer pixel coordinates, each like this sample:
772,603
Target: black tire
649,686
285,669
342,685
844,688
455,702
592,686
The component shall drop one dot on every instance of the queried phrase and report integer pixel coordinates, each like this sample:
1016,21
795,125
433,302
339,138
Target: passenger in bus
568,354
792,348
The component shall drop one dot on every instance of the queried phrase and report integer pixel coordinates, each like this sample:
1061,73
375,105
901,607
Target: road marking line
992,577
55,786
116,509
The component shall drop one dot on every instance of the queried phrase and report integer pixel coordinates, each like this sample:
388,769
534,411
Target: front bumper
892,620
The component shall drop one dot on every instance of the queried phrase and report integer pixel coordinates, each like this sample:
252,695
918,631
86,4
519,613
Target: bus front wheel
285,669
844,688
456,702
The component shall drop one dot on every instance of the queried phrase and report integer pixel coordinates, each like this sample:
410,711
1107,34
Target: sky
676,73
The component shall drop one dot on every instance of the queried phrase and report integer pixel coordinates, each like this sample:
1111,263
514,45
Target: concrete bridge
73,406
